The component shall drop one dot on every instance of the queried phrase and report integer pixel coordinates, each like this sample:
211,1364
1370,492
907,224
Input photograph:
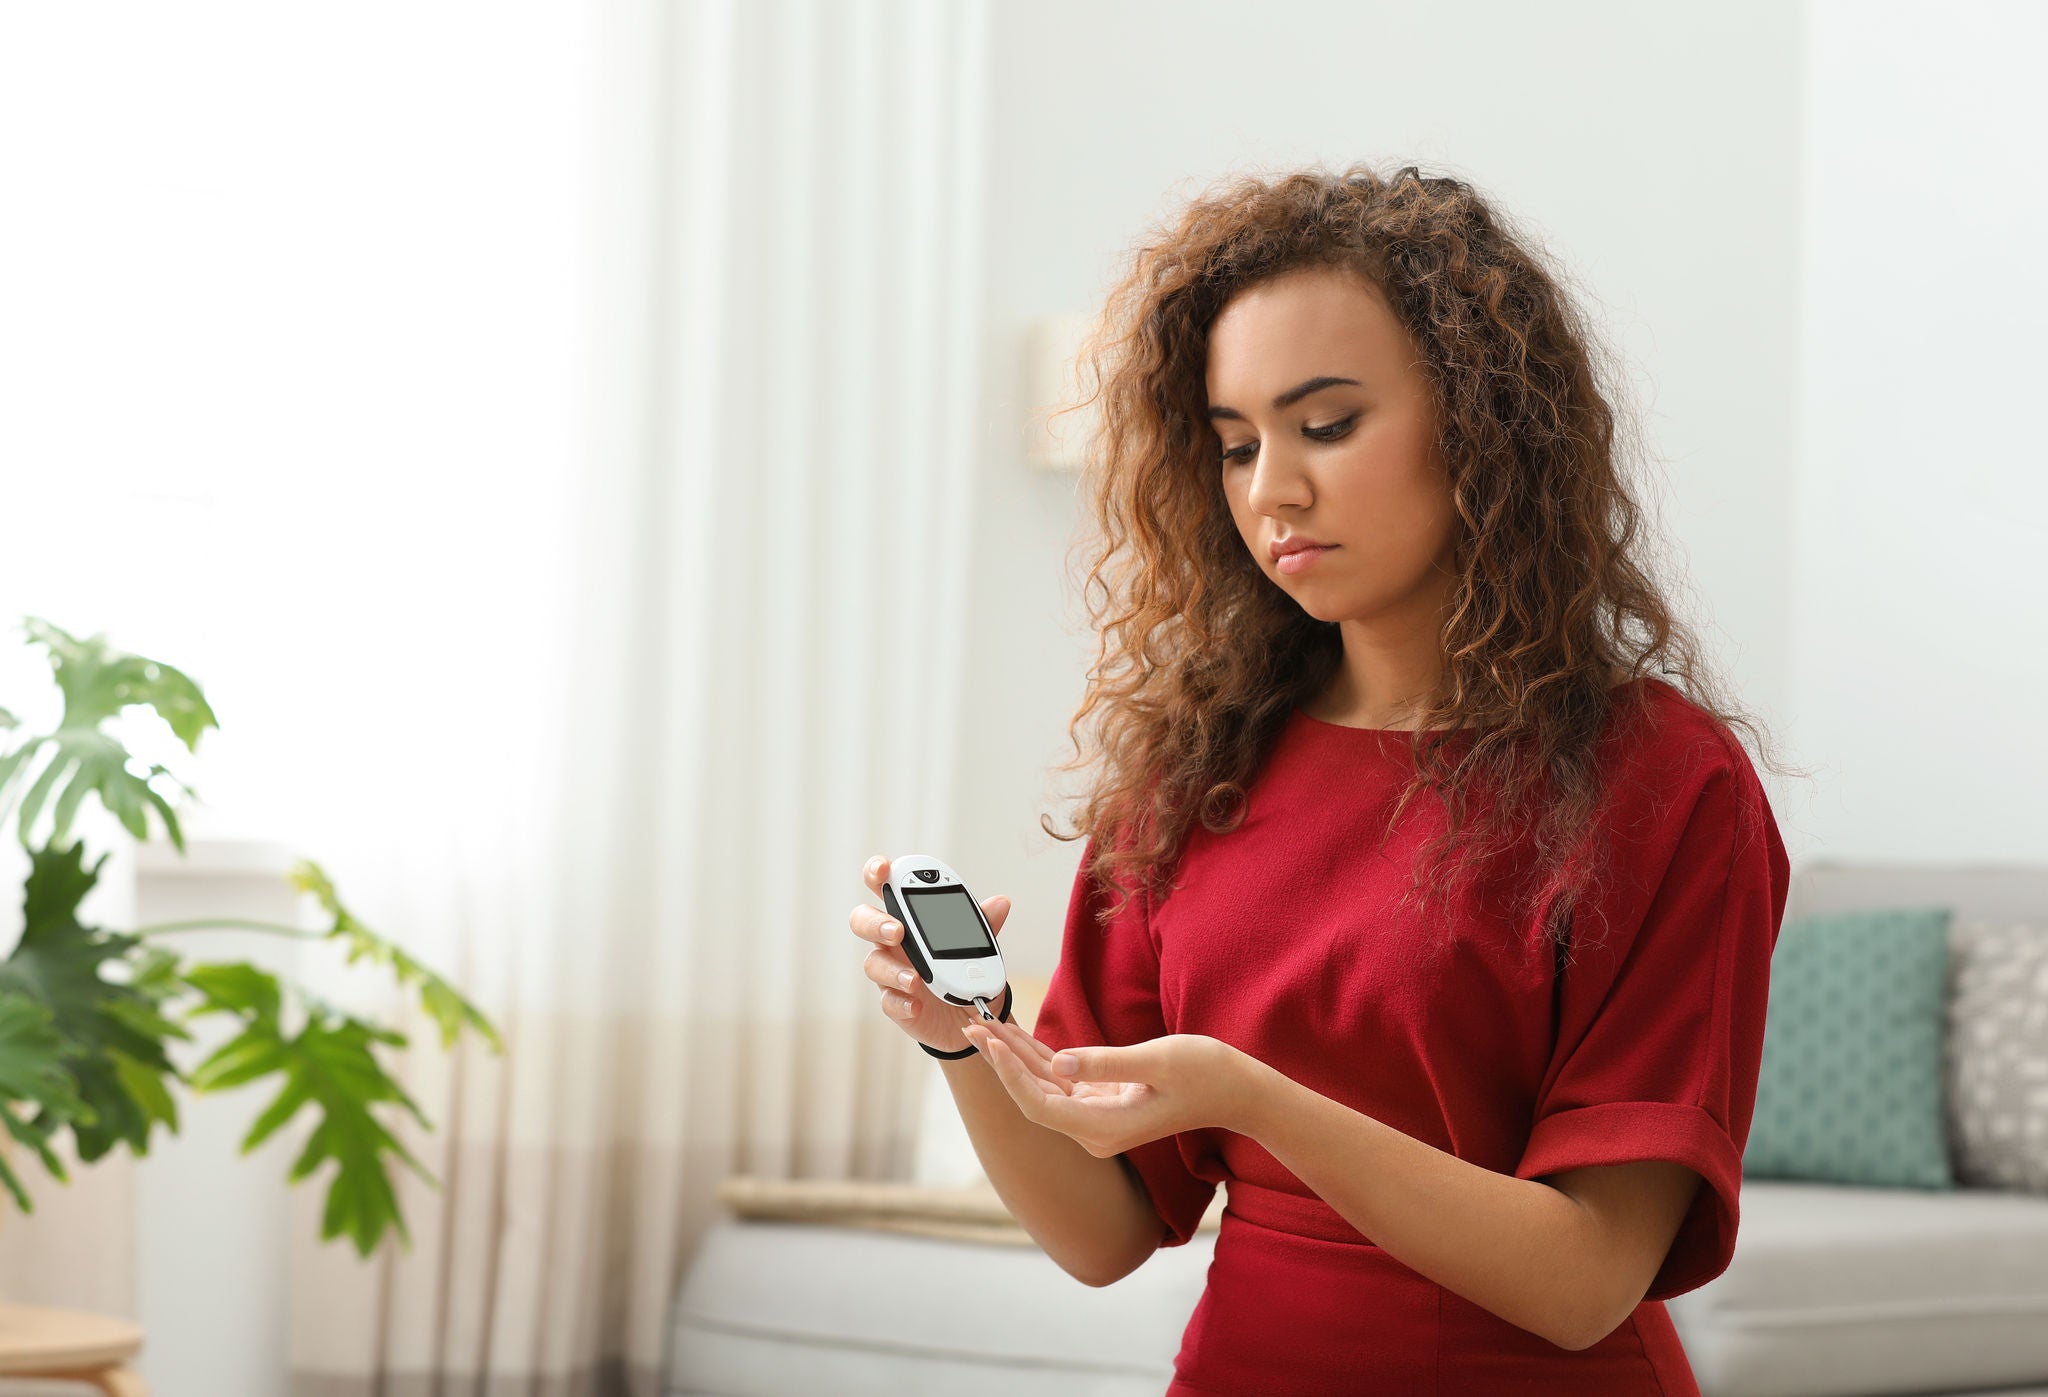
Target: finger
979,1037
1028,1089
1135,1062
1037,1054
1031,1054
869,920
891,971
1027,1046
1034,1054
871,923
1020,1037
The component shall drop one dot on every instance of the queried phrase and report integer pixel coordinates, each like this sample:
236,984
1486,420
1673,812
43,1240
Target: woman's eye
1329,433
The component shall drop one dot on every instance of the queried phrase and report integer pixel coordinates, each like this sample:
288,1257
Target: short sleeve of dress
1104,992
1660,1021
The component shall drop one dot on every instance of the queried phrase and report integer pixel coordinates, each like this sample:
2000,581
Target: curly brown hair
1202,659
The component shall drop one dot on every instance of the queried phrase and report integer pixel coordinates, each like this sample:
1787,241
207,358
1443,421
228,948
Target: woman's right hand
907,1000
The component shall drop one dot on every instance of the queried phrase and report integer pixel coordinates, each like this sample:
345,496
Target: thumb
996,907
1131,1063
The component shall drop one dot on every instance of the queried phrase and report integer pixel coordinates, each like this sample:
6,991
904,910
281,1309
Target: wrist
967,1049
1251,1090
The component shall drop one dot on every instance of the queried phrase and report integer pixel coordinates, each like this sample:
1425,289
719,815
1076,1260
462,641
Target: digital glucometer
948,940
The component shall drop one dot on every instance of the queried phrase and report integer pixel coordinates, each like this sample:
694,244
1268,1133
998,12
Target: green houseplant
87,1013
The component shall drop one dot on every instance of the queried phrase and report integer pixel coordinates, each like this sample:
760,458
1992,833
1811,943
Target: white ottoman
774,1308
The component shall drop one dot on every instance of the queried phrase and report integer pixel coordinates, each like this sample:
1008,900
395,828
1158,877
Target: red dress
1276,938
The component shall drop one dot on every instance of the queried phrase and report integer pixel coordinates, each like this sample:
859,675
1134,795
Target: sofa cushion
1836,1288
1852,1087
772,1308
1998,1053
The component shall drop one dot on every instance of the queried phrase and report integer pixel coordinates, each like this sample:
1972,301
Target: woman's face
1353,464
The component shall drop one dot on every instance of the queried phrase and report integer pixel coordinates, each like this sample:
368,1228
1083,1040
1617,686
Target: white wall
1654,148
1920,637
293,298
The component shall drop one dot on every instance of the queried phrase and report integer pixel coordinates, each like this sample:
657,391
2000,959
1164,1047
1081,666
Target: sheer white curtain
600,716
772,511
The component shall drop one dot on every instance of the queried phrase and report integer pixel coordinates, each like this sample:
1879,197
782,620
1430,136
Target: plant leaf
297,1092
147,1087
16,762
97,1021
332,1065
439,998
31,1069
98,682
234,987
256,1052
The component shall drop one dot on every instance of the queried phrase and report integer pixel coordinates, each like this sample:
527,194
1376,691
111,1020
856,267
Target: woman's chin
1322,608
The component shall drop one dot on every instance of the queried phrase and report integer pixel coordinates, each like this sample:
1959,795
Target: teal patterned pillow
1852,1086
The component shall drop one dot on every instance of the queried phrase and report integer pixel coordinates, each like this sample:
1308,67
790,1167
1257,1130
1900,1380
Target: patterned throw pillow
1852,1085
1998,1054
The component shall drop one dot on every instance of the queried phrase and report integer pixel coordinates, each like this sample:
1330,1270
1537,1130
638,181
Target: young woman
1443,918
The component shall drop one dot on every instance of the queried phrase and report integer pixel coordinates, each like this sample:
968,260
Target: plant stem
240,923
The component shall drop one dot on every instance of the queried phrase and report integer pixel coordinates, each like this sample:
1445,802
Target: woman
1476,1068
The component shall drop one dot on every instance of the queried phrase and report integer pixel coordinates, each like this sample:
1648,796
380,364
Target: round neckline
1308,717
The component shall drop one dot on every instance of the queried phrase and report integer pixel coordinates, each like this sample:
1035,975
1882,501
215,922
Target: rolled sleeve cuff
1623,1132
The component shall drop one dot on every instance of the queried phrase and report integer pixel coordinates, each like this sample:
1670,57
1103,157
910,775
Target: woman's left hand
1122,1096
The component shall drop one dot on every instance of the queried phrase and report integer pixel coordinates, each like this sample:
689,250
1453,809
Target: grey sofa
1837,1289
1832,1290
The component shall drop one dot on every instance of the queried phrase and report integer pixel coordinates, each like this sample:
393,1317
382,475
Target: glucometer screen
949,921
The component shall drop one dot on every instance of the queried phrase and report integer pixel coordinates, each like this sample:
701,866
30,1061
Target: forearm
1517,1248
1087,1213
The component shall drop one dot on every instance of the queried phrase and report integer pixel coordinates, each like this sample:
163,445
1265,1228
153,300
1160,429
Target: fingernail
1066,1064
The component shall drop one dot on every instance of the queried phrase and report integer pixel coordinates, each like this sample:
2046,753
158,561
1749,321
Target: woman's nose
1277,479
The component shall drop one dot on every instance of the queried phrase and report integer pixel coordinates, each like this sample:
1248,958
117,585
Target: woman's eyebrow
1289,398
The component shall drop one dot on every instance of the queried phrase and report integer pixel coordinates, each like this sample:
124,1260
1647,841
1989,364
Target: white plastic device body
949,941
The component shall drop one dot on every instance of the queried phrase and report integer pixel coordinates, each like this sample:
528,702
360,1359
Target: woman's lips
1303,560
